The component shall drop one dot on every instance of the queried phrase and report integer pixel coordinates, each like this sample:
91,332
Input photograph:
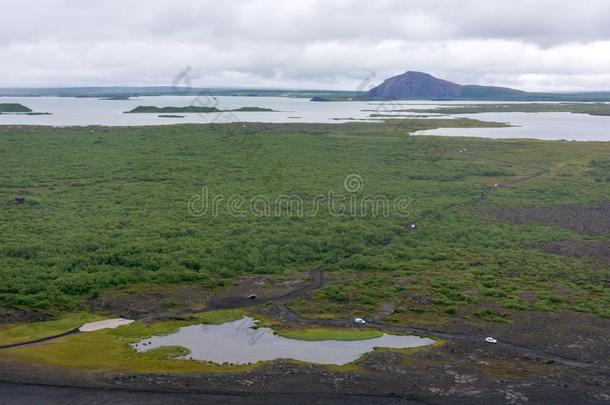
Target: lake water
238,343
549,126
69,111
91,111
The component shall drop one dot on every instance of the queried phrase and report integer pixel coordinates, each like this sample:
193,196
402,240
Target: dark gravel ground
593,220
453,373
597,249
459,371
20,394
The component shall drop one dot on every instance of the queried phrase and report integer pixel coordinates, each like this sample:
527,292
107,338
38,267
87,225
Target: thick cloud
530,44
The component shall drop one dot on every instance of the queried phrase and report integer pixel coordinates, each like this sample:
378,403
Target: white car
359,321
491,340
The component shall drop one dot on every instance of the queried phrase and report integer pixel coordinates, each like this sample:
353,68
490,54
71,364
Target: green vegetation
106,208
330,334
109,349
13,108
415,124
16,333
186,109
600,170
169,352
192,109
252,109
577,108
403,125
116,98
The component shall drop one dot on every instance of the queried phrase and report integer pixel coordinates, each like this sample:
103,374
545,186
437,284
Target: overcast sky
331,44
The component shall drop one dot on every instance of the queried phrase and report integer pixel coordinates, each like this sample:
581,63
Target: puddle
237,343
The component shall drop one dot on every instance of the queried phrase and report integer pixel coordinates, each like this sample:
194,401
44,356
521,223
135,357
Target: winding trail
44,339
316,276
317,281
536,353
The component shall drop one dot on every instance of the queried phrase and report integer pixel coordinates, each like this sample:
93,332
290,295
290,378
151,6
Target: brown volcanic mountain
413,85
422,86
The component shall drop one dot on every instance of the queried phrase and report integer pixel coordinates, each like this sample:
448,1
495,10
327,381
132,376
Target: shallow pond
238,343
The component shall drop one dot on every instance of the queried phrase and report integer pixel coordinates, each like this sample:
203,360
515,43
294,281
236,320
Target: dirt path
289,315
317,281
44,339
39,393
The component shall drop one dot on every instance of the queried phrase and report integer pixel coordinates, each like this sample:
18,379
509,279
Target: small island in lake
192,109
252,109
115,98
15,108
170,116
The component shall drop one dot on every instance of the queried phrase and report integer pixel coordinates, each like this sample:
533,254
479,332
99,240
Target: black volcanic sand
593,221
15,315
454,372
451,374
597,249
43,394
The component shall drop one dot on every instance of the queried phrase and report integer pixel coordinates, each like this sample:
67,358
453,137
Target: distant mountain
407,86
415,85
423,86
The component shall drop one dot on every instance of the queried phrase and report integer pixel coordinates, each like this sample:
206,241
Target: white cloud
531,44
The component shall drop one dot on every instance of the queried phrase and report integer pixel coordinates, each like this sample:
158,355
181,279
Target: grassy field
107,208
330,334
16,333
109,349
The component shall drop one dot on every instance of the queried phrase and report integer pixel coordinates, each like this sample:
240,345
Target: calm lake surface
549,126
237,343
70,111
